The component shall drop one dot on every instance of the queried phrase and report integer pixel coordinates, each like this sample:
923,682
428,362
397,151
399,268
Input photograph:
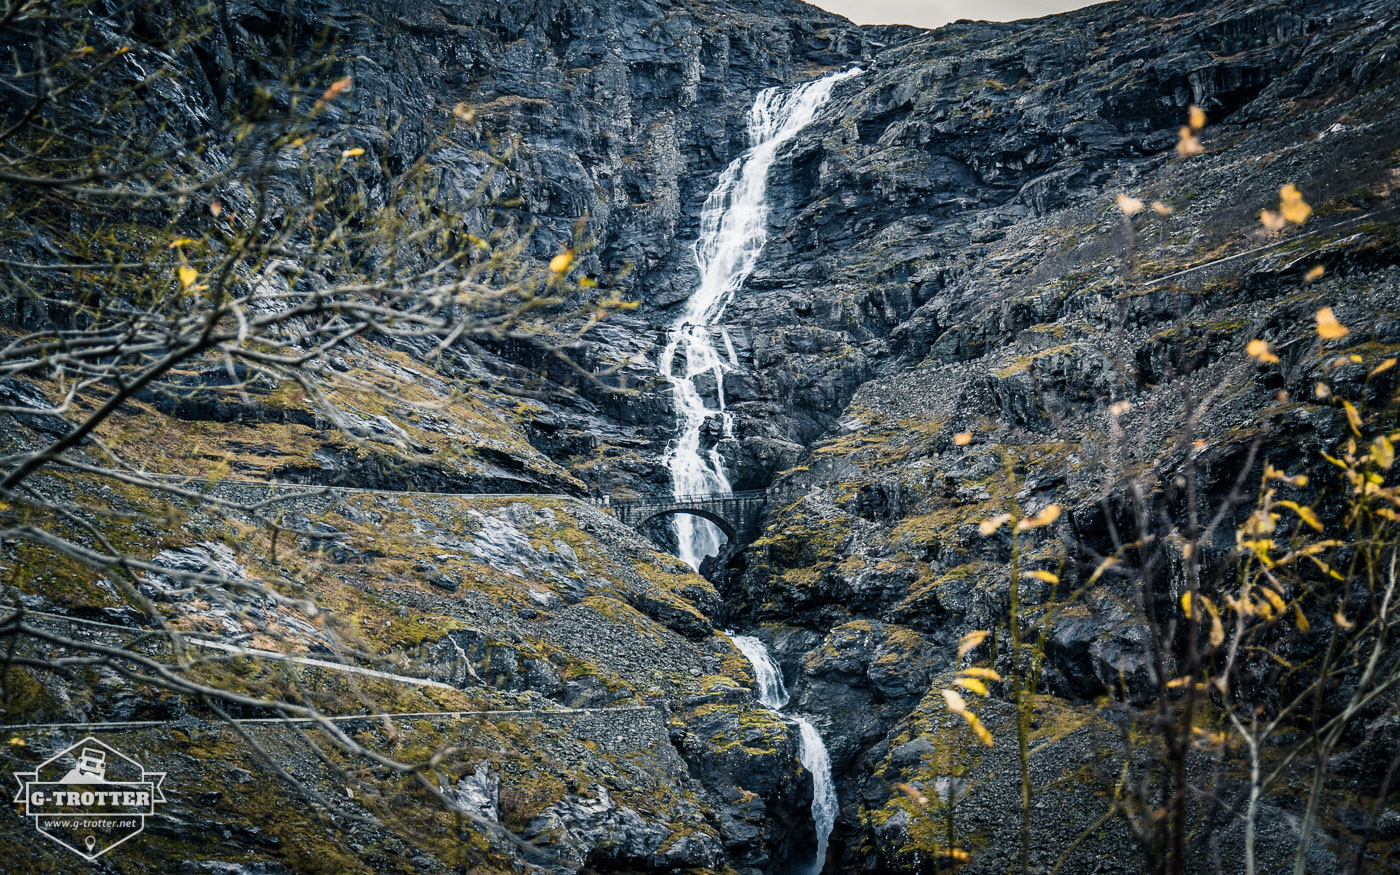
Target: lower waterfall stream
811,749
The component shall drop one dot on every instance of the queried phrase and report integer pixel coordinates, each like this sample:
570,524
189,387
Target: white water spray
811,750
733,229
772,692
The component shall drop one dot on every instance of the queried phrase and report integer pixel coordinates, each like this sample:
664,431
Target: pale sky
934,13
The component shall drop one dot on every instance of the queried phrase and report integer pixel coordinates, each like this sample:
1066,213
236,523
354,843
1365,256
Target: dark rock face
949,259
599,833
926,190
944,257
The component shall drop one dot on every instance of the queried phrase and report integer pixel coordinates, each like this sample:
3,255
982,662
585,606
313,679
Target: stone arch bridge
735,513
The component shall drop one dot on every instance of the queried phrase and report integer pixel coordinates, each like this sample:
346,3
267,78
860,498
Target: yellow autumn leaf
962,438
983,734
1196,117
1327,325
1186,603
1314,274
1342,622
1106,564
1292,205
1304,513
1272,473
1300,620
1240,606
1271,220
985,674
972,684
1047,516
1328,569
1189,144
1261,546
1212,737
969,642
1322,390
1130,206
1353,418
1274,599
353,153
1161,209
561,263
912,792
1383,452
1259,349
181,241
988,526
187,275
334,90
956,703
958,855
1383,367
215,208
1047,576
1217,630
1307,515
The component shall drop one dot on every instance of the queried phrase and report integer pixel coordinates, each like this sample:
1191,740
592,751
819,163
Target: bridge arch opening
720,522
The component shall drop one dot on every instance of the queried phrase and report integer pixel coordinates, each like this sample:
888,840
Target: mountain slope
952,319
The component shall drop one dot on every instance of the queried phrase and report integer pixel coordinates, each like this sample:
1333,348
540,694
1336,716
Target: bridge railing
691,498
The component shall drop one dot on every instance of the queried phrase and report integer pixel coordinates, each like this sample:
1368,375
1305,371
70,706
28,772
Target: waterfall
733,229
772,692
811,750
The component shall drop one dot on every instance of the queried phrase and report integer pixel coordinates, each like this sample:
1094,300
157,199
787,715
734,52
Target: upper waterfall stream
733,230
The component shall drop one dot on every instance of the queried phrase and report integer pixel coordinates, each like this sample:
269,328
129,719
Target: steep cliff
945,258
954,262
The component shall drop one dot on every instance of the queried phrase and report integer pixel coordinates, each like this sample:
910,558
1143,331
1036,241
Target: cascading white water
733,229
772,692
811,750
